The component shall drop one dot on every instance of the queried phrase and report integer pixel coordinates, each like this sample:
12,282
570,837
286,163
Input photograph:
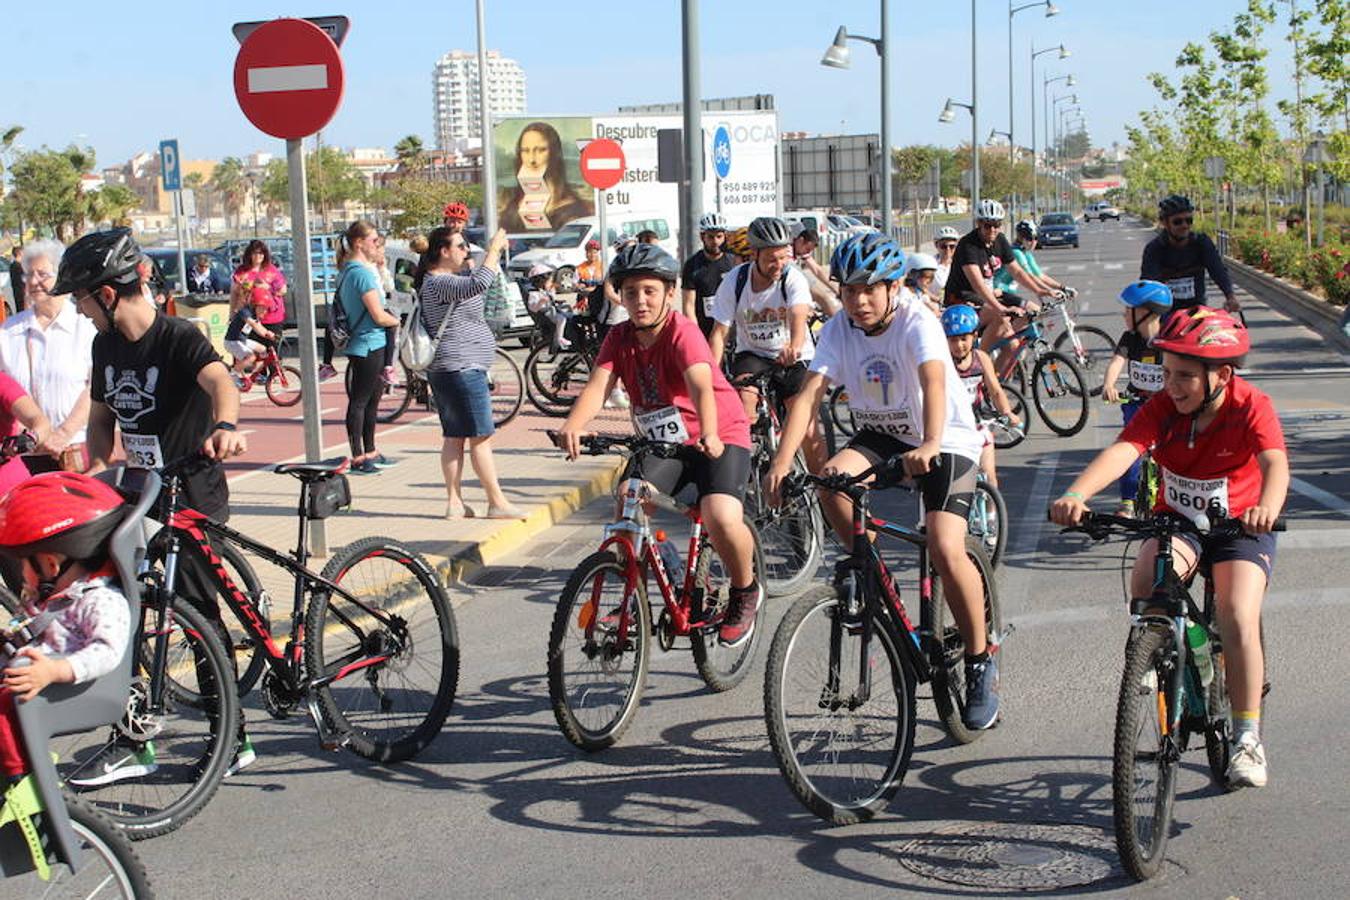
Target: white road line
1112,267
1314,539
322,413
1031,527
1321,497
1116,613
1075,267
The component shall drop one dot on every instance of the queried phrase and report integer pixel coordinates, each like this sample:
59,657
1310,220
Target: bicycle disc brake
139,723
278,699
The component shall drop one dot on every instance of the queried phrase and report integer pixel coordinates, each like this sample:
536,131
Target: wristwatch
224,426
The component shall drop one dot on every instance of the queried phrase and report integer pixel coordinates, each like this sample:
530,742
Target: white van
567,248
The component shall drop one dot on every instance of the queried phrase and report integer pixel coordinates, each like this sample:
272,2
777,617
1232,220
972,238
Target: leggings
1129,482
363,401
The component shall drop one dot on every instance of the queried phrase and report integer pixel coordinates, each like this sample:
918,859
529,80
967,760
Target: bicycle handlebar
795,484
17,445
1099,526
600,444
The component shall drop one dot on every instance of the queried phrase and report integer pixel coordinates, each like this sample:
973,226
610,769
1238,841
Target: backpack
416,348
339,328
743,278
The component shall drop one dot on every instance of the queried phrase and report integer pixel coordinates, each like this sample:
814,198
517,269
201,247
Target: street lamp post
1063,54
1317,155
1052,138
253,189
1065,119
837,57
948,114
1050,10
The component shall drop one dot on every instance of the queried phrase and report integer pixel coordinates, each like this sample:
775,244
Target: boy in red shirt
1218,443
678,394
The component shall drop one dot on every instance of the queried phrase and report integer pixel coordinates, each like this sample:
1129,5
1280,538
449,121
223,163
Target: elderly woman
47,349
464,354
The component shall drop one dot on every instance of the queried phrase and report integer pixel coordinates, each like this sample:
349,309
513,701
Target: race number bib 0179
770,335
1182,288
1146,376
1189,496
895,422
664,424
143,450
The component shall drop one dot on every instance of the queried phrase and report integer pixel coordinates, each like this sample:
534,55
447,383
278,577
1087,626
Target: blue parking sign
721,152
169,167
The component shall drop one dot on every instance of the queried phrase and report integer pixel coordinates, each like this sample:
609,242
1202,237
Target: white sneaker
1247,766
118,763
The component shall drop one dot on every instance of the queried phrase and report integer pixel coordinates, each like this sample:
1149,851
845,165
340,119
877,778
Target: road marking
1030,530
1075,267
1117,613
322,413
1314,539
271,79
1112,267
1321,497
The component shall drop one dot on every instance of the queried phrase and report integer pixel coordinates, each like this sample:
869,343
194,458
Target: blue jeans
1129,482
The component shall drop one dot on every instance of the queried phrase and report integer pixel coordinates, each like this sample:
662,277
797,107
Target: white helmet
713,221
990,211
539,269
917,262
947,233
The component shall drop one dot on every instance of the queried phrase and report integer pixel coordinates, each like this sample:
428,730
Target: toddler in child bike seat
75,622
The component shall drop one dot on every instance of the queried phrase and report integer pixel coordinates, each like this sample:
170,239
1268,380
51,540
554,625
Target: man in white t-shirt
910,407
768,302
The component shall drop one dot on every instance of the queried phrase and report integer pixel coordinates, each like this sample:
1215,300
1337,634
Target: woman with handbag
357,329
451,308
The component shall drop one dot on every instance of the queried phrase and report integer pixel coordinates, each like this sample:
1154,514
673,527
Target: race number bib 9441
1189,496
771,335
664,424
143,450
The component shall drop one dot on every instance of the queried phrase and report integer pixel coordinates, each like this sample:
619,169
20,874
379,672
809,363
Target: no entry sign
602,164
288,78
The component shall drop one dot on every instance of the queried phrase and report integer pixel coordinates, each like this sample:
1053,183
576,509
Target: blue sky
121,76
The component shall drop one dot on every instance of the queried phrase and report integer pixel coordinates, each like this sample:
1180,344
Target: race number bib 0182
1182,288
895,422
664,424
1146,376
767,335
1189,496
143,450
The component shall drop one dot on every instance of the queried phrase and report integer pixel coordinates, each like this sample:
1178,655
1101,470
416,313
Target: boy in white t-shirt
891,356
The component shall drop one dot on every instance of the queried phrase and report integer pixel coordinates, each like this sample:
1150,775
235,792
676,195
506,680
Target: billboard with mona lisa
539,186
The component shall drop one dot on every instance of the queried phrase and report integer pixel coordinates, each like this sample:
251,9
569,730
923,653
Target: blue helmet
960,319
867,259
1153,294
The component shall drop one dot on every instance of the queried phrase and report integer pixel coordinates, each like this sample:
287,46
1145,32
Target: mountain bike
506,385
598,647
281,382
1006,435
843,666
987,520
554,377
1088,345
1058,388
1172,689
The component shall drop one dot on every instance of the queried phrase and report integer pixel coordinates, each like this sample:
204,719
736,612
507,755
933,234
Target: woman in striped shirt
458,374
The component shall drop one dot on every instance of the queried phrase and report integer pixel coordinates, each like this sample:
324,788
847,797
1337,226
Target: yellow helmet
738,241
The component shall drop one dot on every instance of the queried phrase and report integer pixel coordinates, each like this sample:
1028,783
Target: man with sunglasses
1179,257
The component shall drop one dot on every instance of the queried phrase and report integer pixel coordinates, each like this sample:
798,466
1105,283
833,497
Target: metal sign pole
301,292
182,238
602,229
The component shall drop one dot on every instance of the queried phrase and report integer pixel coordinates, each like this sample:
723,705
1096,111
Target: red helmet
59,512
456,210
1209,335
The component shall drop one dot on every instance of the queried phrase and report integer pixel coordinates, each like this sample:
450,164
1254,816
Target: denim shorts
463,403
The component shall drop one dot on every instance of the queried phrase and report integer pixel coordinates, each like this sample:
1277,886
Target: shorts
949,485
241,349
1258,549
728,474
463,403
787,380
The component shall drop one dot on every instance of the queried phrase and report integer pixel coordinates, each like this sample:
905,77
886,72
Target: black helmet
767,231
1171,205
643,259
103,257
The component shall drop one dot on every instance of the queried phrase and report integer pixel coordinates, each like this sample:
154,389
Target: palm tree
228,181
410,152
82,160
194,182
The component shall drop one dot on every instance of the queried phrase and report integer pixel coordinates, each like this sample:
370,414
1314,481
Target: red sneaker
739,622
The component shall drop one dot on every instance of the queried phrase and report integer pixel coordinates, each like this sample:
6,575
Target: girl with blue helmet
976,371
1146,303
889,353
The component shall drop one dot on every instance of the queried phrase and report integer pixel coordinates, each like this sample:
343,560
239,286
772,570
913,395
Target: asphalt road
691,802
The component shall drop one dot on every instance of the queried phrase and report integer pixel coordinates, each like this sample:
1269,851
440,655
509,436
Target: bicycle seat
313,471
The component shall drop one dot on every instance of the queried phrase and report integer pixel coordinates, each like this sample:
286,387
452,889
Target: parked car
566,249
1058,229
167,260
1102,211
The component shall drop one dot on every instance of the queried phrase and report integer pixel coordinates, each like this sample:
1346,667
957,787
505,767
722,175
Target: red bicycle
598,649
282,382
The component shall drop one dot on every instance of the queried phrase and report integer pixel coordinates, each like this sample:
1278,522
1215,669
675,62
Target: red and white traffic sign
288,78
602,164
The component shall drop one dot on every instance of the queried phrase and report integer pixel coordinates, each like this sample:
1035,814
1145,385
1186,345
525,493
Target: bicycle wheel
791,537
283,386
109,864
1060,393
1005,435
1144,764
384,672
843,746
548,379
506,384
840,413
597,661
394,395
160,765
1219,725
988,520
949,672
1092,351
721,668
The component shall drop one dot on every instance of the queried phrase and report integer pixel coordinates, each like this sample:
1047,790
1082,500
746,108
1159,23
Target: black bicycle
1172,689
840,681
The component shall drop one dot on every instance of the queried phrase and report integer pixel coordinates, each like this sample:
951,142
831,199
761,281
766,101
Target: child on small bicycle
75,622
1218,445
245,337
678,394
1146,304
542,301
976,371
907,401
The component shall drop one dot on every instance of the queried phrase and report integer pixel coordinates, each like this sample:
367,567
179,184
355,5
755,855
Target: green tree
46,190
111,203
419,201
410,152
1327,55
230,185
7,139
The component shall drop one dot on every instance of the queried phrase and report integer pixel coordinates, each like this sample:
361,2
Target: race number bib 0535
1182,288
895,422
1146,376
1189,496
664,424
143,450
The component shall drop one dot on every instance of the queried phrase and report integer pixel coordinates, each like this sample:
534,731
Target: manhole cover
1028,857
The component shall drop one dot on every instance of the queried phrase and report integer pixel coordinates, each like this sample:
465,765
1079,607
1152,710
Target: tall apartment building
455,95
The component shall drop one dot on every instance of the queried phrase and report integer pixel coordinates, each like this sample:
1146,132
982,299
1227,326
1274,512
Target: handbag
416,348
503,296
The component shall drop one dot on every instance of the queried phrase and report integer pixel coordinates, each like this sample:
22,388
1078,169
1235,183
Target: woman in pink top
256,271
18,412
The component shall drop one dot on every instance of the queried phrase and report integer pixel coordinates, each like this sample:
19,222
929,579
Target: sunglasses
1182,220
946,245
991,224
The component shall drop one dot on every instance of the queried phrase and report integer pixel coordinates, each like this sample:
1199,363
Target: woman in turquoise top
362,300
1025,243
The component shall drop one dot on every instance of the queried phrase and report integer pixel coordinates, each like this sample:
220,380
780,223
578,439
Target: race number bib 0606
895,422
1182,288
143,450
664,424
1189,496
767,335
1146,376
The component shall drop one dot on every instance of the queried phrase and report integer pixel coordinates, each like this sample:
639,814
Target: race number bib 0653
1189,496
1182,288
664,424
143,450
1146,376
895,422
